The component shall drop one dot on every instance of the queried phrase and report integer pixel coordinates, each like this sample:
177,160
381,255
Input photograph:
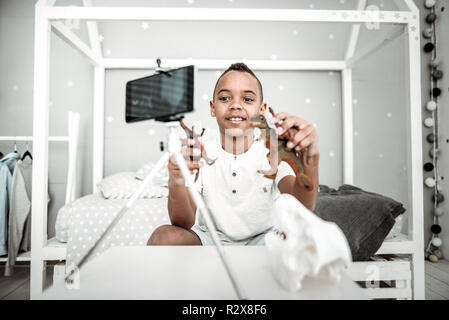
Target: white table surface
190,273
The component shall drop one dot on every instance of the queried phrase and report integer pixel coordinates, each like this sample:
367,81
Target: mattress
82,222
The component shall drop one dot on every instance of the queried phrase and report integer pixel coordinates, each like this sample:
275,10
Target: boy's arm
304,140
181,208
293,185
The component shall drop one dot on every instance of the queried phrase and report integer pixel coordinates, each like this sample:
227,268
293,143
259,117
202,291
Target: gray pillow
365,218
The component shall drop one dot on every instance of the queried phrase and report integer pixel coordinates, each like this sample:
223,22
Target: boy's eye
224,98
247,99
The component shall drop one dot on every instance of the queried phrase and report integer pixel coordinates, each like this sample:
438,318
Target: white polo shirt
239,198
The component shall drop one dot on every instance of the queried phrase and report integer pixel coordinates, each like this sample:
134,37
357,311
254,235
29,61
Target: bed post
415,149
73,125
40,146
98,116
348,157
346,80
98,131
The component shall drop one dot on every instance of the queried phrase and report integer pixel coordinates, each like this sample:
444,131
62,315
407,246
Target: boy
238,196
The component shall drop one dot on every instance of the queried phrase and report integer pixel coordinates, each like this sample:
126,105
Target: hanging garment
7,165
19,226
27,173
19,209
25,245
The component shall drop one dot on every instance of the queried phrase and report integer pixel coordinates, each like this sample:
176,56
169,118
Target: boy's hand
304,139
192,155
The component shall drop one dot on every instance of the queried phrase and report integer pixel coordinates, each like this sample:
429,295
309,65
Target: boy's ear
263,108
212,108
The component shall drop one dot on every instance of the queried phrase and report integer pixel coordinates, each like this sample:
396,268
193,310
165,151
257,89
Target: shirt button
233,191
234,174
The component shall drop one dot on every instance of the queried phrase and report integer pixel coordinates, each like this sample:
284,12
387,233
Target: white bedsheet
82,222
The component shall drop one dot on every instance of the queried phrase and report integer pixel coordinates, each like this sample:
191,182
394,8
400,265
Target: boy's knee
164,235
159,235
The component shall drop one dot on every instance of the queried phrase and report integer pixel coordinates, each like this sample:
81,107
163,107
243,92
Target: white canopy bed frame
406,21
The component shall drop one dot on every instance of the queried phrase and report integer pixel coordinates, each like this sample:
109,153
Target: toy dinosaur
276,155
191,134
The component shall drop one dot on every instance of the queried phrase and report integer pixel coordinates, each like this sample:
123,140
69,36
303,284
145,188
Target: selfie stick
174,148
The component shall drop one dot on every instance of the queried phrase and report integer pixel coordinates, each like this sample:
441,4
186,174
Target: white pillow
396,229
122,185
161,177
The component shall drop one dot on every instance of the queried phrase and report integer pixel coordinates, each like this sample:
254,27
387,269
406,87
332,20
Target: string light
433,252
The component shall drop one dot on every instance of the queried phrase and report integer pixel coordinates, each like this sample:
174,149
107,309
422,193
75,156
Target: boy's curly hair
241,67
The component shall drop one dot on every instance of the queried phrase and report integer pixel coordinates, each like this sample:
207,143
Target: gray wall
379,91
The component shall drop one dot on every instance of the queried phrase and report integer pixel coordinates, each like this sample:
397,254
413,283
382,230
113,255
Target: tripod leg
210,225
162,161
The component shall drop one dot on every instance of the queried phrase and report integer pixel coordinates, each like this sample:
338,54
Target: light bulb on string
434,153
437,74
434,63
427,33
438,253
438,198
438,212
431,105
428,47
435,228
437,242
431,17
436,92
428,122
429,4
428,166
430,182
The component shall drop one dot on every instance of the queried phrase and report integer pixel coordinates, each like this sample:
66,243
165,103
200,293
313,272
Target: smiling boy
239,197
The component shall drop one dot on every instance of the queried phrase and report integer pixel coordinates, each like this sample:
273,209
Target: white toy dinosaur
302,244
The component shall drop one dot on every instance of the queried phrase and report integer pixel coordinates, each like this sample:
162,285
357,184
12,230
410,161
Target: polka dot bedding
83,221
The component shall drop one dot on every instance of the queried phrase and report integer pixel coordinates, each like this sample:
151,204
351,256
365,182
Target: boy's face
236,100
